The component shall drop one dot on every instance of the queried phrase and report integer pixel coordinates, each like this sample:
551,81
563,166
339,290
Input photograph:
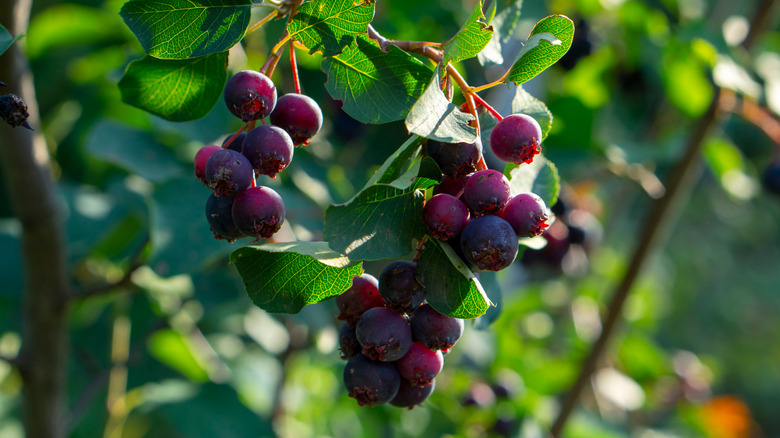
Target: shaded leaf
328,26
524,103
549,41
398,163
6,39
540,177
503,27
470,39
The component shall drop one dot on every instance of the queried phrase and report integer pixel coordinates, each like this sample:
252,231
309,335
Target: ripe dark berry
409,395
361,296
516,139
228,173
451,185
384,334
771,177
201,158
486,192
445,216
455,159
527,214
258,211
489,243
269,149
299,115
348,342
371,382
399,286
250,95
420,365
14,111
219,213
237,142
436,330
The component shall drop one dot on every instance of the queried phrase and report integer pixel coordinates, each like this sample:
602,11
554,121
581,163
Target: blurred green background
183,353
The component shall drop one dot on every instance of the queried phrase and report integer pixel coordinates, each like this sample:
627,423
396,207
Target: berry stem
230,140
257,25
420,248
487,107
296,80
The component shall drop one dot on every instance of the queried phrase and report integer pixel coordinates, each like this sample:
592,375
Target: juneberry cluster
393,341
238,207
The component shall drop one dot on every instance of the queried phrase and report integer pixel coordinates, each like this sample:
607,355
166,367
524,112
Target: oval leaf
376,87
328,26
549,41
503,25
176,90
540,177
470,39
179,29
285,277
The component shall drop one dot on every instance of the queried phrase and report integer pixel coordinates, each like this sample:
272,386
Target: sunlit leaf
549,40
503,25
328,26
470,39
539,177
435,117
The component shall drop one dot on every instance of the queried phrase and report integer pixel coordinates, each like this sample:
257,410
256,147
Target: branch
102,289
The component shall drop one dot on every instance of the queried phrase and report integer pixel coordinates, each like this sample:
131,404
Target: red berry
516,139
250,95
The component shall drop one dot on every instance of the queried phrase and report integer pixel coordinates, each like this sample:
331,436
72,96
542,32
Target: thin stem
126,279
420,248
281,43
233,137
296,80
487,107
257,25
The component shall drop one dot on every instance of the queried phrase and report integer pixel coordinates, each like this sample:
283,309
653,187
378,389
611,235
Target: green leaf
285,277
524,103
328,26
6,39
180,29
376,87
470,39
176,90
173,349
398,163
452,288
435,117
549,41
539,177
504,25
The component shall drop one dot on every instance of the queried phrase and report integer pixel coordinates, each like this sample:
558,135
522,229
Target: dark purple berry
435,330
384,334
258,211
455,159
361,296
451,185
219,213
527,214
399,286
201,158
237,142
489,243
516,139
348,342
269,149
771,178
299,115
250,95
486,192
420,365
14,111
410,395
445,216
228,172
371,382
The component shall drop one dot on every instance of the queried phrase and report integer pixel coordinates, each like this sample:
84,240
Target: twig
257,25
108,287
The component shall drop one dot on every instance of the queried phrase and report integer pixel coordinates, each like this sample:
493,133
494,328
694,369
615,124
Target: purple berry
201,158
516,139
420,365
445,216
237,142
399,286
269,149
384,334
527,214
228,173
361,296
250,95
435,330
455,159
348,342
489,242
14,111
486,192
451,185
219,213
371,382
258,211
299,115
410,395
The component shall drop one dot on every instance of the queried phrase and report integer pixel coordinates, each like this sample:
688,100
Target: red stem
296,80
487,107
230,140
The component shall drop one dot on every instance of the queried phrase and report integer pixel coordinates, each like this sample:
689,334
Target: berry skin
516,139
201,158
771,178
299,115
486,192
410,395
361,296
258,211
420,365
435,330
250,95
228,173
384,334
371,382
455,159
399,286
219,213
269,149
445,216
451,185
237,142
14,111
489,243
348,342
527,214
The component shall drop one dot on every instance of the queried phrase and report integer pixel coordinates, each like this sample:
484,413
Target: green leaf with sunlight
376,87
504,25
285,277
435,117
470,39
180,29
540,177
549,40
173,349
328,26
176,90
